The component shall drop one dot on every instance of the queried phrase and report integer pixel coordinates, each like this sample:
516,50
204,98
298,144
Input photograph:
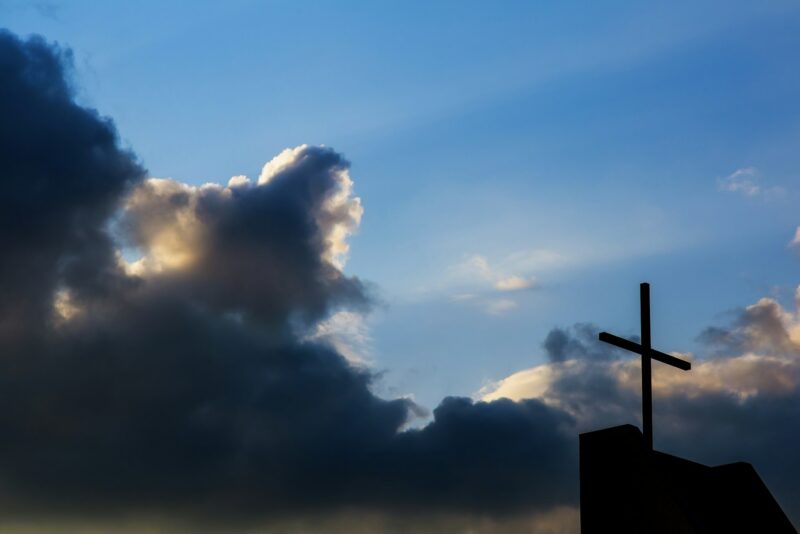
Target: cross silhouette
648,353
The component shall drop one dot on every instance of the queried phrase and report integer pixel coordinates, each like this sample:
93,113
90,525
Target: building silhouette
628,488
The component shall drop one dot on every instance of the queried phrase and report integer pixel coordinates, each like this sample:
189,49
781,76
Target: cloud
578,342
63,175
272,249
527,384
558,520
347,333
796,240
474,267
744,180
500,306
463,297
207,380
534,260
206,383
759,354
747,181
480,283
476,270
513,283
739,401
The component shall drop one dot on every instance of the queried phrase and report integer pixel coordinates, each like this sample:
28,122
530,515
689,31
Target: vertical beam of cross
648,353
647,385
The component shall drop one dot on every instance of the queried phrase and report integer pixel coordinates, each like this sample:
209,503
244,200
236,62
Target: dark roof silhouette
627,488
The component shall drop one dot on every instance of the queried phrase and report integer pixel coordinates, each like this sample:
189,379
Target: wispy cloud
796,241
742,180
500,306
510,274
480,282
514,283
747,181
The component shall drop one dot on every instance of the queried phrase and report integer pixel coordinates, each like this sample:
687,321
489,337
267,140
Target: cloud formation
167,348
491,288
477,268
739,402
181,353
747,181
63,176
742,180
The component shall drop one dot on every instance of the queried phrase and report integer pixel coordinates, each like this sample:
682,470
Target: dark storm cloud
184,382
62,177
458,458
578,342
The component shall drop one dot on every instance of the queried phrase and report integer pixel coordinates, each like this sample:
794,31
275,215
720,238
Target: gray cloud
63,175
578,342
184,383
740,402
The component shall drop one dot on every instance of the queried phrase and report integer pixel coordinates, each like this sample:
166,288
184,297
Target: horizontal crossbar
653,353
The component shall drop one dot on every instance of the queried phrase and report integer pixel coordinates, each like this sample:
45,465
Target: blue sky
584,147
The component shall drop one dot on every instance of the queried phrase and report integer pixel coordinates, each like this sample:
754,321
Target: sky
460,196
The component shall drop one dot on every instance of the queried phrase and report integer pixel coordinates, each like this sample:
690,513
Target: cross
648,353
